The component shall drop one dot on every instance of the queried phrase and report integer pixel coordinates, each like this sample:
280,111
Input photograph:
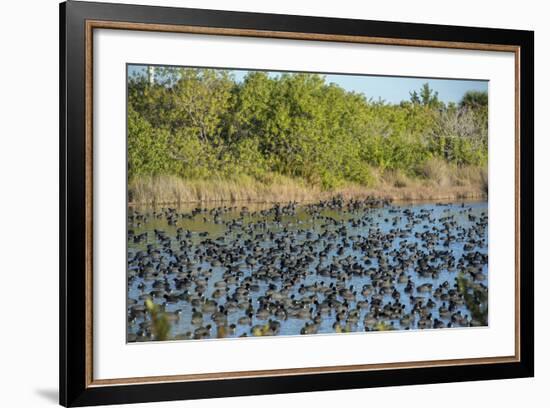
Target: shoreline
436,182
411,194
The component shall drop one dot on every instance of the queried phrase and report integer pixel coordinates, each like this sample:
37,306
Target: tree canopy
202,123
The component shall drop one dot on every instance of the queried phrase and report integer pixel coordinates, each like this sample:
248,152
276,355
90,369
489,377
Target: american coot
337,265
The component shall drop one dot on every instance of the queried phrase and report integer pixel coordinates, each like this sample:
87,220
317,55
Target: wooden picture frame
77,22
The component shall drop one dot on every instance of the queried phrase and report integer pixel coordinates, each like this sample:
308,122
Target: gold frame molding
100,24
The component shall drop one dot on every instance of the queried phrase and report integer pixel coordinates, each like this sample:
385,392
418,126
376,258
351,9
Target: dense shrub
201,123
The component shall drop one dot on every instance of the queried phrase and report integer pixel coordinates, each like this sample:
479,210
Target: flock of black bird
334,266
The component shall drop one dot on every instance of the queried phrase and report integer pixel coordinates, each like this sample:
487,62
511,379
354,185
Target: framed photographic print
255,203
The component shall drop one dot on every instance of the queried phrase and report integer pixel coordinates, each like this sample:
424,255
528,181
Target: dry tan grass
174,190
437,171
437,181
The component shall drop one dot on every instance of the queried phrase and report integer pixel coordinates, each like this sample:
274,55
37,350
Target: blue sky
390,89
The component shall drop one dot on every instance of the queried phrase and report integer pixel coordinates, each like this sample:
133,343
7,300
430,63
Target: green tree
201,123
426,96
147,147
475,100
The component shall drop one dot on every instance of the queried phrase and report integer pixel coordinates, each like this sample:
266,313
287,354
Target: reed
435,180
160,325
175,190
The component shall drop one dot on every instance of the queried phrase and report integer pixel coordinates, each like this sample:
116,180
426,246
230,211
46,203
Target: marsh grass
160,324
175,190
476,298
434,180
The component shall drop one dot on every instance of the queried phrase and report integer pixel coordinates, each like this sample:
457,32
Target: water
284,260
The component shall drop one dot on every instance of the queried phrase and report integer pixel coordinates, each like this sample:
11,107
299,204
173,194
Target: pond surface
288,269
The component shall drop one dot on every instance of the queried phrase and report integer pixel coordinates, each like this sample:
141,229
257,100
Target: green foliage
382,326
160,324
475,99
147,147
201,124
425,97
476,298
